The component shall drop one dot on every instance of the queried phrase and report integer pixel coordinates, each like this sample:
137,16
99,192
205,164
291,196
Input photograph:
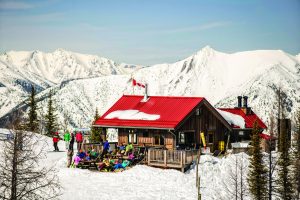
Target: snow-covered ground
143,182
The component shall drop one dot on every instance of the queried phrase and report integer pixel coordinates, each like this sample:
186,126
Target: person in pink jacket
79,140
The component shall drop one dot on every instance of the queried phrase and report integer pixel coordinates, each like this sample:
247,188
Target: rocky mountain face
83,83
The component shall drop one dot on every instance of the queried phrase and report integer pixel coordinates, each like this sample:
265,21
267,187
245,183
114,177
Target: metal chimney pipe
239,101
245,101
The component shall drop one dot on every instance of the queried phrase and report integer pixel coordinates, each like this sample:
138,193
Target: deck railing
90,146
179,159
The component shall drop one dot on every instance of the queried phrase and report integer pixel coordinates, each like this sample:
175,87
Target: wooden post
181,161
184,157
197,164
197,175
165,158
149,152
199,193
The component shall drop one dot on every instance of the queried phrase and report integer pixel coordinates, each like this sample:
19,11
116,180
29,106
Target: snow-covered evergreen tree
257,176
50,116
285,187
21,175
95,131
32,115
296,157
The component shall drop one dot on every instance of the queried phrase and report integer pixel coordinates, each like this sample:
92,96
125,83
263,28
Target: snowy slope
218,76
143,182
298,57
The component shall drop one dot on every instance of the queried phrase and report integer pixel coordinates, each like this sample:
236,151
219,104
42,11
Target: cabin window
181,138
135,138
132,137
210,137
211,122
156,139
145,134
162,140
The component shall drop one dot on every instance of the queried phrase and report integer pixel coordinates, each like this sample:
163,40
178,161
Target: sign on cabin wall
112,134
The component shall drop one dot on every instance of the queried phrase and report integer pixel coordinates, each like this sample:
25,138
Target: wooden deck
176,159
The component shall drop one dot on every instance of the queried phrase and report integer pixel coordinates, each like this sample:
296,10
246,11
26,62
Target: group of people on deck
106,160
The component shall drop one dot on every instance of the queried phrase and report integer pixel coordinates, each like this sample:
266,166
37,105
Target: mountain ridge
218,76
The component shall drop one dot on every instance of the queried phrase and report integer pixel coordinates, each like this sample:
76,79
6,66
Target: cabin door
187,138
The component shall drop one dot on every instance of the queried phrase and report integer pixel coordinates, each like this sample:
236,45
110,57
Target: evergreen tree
284,182
296,157
95,131
257,176
50,116
32,115
21,176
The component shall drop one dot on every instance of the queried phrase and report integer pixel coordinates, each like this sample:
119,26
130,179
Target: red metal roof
249,119
172,111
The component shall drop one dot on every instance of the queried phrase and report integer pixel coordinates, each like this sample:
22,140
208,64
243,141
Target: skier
67,139
71,142
69,157
79,140
55,141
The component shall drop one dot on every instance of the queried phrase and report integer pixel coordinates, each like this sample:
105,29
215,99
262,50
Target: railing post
184,157
165,158
181,161
149,152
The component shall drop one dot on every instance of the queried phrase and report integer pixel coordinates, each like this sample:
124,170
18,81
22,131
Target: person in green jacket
129,148
67,138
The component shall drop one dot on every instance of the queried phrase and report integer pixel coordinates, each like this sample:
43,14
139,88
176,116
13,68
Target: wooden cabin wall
169,140
122,137
204,122
146,137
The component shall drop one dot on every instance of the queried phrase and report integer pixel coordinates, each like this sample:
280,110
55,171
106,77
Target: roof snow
232,118
131,115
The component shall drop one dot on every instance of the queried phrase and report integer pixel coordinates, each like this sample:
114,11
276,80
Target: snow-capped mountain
83,82
45,70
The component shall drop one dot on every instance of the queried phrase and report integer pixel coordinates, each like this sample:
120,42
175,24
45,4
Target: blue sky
149,32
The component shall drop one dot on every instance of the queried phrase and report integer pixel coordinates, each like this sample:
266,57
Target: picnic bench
87,164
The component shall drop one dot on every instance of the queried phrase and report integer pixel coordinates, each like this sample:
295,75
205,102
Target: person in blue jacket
82,154
105,148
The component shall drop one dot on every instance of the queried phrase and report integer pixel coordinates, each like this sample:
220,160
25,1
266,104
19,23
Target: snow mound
232,118
131,115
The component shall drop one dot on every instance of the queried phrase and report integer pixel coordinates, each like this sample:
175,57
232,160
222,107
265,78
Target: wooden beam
149,153
165,158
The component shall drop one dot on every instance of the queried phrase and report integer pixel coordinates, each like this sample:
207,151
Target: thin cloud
207,26
15,5
214,25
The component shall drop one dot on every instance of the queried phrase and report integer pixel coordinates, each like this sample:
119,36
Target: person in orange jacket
55,141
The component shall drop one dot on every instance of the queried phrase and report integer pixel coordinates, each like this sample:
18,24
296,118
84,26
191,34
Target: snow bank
131,114
232,118
4,131
147,183
216,175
